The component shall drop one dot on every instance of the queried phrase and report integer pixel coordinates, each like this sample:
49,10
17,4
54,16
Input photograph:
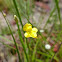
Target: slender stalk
54,22
33,56
12,37
18,26
18,13
14,1
20,37
27,43
50,16
27,10
58,9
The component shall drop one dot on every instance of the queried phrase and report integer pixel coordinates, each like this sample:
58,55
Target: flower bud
4,14
15,18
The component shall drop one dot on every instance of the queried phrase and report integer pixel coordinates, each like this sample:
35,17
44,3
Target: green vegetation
33,48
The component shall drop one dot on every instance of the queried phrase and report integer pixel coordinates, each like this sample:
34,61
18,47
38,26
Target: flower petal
34,29
33,34
27,34
27,27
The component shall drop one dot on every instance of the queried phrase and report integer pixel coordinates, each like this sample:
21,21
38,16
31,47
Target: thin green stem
58,9
21,39
50,16
27,43
18,13
33,56
19,29
13,38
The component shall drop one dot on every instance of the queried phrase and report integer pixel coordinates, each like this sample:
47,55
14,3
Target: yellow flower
34,29
30,32
33,34
27,27
27,34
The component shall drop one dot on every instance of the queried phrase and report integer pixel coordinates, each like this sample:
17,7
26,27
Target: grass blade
20,36
49,17
18,13
58,9
12,37
33,56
